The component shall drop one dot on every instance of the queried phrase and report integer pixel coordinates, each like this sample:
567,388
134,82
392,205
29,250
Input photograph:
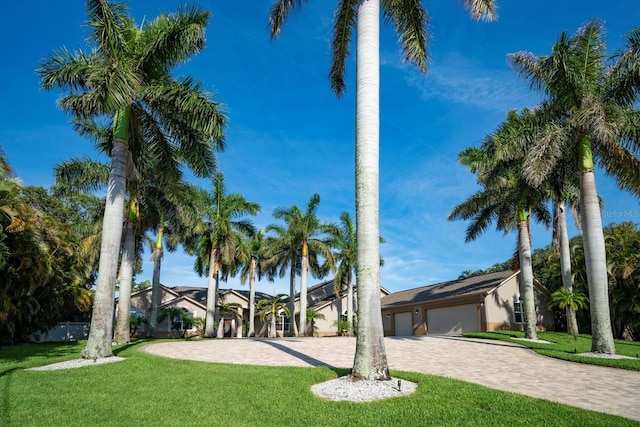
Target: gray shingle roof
456,288
200,294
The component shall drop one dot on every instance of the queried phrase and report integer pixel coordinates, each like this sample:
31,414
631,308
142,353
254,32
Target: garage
452,320
404,324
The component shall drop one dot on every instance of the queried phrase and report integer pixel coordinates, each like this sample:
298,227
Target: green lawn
149,390
564,346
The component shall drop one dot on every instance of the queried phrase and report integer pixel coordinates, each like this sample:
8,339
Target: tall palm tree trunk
212,295
594,254
121,334
303,288
272,330
596,263
565,265
350,306
252,299
370,361
526,275
99,343
292,301
156,257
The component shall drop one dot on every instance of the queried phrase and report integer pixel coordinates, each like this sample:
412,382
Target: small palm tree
271,308
232,308
312,316
570,300
177,317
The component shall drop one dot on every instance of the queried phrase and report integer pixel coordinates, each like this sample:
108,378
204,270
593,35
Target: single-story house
323,299
487,302
194,301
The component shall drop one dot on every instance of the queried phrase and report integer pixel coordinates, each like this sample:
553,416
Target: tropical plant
178,319
410,19
126,76
216,239
622,242
345,328
571,300
312,316
343,242
43,277
305,235
250,258
509,201
271,308
591,103
233,308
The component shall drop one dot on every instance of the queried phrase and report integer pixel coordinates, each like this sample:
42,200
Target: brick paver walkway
496,364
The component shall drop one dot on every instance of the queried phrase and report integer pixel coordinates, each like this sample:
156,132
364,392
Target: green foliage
44,275
495,268
343,326
562,298
62,397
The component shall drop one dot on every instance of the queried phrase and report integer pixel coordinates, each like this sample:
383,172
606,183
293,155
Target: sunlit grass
564,346
147,390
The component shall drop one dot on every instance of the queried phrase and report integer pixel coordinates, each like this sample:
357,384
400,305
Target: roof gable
475,285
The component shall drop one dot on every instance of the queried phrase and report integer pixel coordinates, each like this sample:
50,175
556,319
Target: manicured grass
147,390
564,346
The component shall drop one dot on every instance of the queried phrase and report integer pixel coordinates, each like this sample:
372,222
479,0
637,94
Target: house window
282,323
518,311
182,321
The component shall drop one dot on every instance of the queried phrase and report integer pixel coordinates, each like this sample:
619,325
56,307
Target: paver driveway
495,364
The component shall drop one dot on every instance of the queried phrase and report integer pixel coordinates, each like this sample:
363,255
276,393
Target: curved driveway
496,364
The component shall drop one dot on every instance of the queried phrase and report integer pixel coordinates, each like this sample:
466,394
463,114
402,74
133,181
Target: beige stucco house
194,301
323,299
488,302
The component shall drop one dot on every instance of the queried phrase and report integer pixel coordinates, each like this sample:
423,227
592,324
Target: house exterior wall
499,308
141,302
495,311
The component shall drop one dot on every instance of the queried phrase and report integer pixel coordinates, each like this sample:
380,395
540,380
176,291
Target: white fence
65,331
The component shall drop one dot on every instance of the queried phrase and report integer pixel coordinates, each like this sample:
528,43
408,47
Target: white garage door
452,320
404,324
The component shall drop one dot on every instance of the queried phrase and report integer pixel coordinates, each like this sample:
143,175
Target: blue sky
289,136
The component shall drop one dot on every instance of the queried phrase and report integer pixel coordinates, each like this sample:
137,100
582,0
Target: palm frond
344,23
485,10
411,21
278,14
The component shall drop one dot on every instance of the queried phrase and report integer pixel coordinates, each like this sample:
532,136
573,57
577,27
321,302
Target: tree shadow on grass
48,351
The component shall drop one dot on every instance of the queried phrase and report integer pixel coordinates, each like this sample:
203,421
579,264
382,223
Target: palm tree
272,307
562,181
312,316
170,211
215,242
126,77
570,300
343,240
233,308
592,104
305,231
282,256
505,198
251,258
410,19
